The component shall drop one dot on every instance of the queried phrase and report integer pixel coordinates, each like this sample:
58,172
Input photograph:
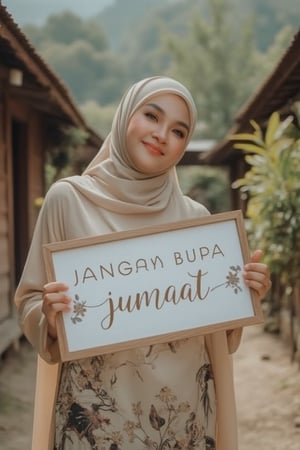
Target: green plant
62,152
272,184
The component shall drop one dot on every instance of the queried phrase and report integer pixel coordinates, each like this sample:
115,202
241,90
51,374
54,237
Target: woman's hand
257,275
55,299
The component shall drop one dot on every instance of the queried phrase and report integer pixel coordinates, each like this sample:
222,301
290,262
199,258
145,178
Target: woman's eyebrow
159,109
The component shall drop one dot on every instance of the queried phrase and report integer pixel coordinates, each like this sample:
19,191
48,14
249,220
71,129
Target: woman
176,395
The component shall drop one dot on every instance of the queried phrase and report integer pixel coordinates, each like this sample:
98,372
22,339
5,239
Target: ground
267,389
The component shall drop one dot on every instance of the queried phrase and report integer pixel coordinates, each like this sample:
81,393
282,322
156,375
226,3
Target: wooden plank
4,267
3,248
2,160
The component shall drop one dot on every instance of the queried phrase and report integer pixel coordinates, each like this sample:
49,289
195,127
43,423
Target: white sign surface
147,286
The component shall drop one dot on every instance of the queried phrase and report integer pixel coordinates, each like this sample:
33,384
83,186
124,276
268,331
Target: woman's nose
160,133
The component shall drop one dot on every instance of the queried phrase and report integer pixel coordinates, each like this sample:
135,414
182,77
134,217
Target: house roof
41,85
280,89
194,149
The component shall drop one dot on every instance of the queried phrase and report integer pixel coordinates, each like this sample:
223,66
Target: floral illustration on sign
79,310
232,280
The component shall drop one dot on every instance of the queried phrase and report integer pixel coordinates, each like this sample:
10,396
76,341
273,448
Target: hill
37,11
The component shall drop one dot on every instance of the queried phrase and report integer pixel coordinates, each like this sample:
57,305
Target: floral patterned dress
159,397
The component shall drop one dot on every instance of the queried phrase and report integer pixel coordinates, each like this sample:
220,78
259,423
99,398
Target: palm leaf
256,128
238,183
250,148
246,137
272,128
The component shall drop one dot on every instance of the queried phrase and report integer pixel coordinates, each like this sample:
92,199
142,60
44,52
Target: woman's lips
153,148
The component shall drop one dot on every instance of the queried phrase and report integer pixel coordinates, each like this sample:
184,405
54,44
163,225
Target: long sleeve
28,296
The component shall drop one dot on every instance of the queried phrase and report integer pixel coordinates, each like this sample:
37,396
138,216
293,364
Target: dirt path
267,388
17,379
267,392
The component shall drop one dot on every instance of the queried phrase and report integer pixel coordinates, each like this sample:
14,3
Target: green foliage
145,52
144,43
210,45
271,16
63,153
99,117
206,185
77,50
212,62
66,28
87,72
121,19
266,59
273,185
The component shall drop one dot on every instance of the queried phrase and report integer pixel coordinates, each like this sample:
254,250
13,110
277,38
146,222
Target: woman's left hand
257,275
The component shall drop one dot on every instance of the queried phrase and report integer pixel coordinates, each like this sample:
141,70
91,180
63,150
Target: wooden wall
22,150
5,256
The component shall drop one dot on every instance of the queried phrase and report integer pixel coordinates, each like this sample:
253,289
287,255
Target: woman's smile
153,148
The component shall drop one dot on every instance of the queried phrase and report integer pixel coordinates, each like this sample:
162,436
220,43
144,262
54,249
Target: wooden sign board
152,285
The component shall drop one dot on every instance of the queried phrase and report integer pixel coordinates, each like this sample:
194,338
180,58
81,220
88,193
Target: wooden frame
152,285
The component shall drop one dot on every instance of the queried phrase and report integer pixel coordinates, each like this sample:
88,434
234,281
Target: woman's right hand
55,299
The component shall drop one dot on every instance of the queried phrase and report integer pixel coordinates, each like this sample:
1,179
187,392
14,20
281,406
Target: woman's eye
150,116
179,133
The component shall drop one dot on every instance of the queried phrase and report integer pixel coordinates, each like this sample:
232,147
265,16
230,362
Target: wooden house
280,92
34,106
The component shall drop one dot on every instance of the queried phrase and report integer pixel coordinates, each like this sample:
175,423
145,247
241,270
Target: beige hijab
112,182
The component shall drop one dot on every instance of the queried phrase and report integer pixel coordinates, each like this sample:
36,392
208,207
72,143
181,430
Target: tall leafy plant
272,185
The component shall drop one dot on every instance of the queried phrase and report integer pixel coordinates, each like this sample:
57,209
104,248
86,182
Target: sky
36,11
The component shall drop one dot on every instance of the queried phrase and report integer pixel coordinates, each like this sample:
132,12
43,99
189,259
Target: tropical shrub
272,185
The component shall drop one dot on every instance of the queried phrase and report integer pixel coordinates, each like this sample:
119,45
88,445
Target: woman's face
157,134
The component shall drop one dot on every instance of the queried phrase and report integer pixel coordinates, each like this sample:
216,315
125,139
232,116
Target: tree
64,153
206,44
144,42
270,16
266,60
67,28
87,72
99,117
206,185
220,64
121,19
